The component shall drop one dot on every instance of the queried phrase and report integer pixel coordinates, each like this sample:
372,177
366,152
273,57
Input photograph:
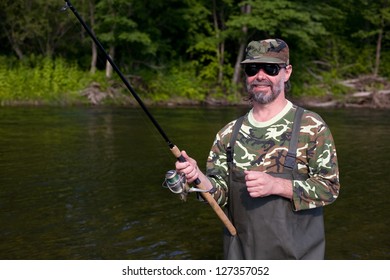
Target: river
86,183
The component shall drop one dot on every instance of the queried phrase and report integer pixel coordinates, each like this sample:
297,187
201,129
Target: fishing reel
177,183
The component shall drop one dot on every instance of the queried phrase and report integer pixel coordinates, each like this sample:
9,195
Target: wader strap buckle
229,154
290,160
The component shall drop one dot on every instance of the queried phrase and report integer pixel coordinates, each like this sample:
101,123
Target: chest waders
268,227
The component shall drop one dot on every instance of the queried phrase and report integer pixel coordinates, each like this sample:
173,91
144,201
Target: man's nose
260,74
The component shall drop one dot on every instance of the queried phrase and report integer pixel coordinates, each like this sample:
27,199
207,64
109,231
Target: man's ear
288,72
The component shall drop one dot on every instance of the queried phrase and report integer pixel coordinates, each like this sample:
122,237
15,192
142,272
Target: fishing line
176,152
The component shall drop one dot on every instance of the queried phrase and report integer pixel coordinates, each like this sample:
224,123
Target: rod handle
208,197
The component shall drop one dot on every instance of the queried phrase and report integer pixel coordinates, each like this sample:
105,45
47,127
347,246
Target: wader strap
230,148
229,159
229,151
289,162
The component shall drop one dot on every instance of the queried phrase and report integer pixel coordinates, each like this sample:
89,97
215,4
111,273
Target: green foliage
116,26
288,19
329,42
42,80
206,64
177,82
385,69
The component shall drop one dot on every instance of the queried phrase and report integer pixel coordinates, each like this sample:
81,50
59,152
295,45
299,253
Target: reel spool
177,183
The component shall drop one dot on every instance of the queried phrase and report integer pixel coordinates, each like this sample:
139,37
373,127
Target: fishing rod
174,149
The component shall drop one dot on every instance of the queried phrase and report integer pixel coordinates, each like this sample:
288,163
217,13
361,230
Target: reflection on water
85,183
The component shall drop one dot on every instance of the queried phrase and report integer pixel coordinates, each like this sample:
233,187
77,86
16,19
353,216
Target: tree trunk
378,52
93,58
237,66
108,65
93,46
220,48
221,62
246,9
18,51
14,45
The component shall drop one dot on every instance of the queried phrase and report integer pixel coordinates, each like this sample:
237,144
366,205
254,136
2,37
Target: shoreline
366,91
303,102
371,100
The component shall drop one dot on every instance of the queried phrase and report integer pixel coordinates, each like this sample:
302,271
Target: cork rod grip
208,197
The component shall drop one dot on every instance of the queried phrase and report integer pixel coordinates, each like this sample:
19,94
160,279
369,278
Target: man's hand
260,184
189,168
192,172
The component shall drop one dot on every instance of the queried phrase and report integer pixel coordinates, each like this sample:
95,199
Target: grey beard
260,97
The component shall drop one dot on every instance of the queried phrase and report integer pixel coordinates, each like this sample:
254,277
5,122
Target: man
273,177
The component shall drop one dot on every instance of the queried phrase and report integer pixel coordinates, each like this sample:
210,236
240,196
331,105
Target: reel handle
207,196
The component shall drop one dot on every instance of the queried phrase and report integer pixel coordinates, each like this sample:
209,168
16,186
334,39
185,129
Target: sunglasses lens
269,69
252,70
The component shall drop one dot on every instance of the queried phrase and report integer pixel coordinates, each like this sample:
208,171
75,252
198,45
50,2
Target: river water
85,183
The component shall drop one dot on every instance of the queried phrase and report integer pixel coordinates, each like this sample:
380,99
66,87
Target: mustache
262,83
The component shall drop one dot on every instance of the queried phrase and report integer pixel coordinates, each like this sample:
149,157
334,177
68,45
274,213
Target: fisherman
274,169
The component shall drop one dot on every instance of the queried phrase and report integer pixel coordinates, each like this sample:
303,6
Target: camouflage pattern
264,148
267,51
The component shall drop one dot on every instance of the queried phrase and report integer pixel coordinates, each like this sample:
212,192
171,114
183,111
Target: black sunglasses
269,69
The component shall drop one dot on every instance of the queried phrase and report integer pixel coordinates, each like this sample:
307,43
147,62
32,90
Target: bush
179,81
42,80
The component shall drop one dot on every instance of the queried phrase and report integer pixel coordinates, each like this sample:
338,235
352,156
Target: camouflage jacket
263,146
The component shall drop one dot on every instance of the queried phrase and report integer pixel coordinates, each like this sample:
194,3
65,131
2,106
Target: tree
94,52
291,20
207,47
377,15
246,10
115,26
33,26
10,27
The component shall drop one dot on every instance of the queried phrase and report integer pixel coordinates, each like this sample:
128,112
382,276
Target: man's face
264,88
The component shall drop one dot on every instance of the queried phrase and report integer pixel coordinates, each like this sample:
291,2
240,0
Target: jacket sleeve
322,186
217,168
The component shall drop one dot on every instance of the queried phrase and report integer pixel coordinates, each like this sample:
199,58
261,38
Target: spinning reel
177,183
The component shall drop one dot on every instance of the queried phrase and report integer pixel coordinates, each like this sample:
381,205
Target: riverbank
375,100
363,92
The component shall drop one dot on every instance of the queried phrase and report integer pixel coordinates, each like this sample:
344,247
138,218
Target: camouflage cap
267,51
